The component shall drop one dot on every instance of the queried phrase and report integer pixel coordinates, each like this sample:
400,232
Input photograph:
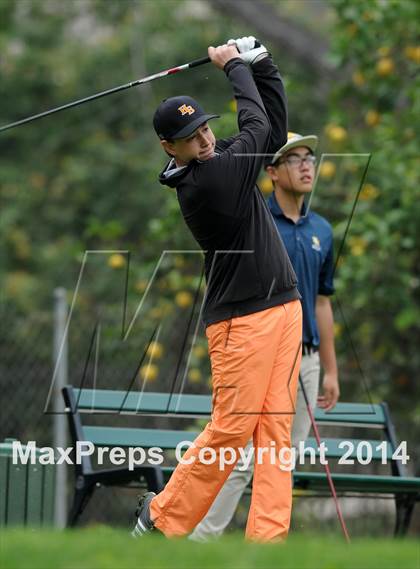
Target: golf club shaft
170,71
327,468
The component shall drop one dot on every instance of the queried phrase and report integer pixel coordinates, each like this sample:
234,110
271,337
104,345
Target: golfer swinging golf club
308,239
252,310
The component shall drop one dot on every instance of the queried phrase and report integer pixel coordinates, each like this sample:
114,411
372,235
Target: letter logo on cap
184,109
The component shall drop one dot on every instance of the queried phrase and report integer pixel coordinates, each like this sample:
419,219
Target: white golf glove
247,50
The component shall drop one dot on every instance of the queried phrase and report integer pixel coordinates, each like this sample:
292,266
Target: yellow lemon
194,375
372,118
413,52
357,246
385,66
336,133
155,350
141,285
184,299
358,78
116,261
266,185
357,250
369,192
233,107
199,351
327,169
149,372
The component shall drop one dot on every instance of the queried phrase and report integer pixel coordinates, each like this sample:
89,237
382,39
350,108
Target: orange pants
255,362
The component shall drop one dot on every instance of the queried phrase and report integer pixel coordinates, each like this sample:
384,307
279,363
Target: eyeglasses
297,161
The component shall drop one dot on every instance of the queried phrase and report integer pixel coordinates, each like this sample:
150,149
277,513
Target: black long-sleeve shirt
246,264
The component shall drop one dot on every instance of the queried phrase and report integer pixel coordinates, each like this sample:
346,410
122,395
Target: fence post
60,354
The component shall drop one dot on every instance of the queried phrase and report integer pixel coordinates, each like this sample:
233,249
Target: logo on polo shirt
186,110
316,244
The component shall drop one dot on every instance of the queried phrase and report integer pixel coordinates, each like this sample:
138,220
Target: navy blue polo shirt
309,243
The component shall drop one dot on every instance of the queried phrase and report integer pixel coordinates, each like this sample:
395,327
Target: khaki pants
255,362
225,504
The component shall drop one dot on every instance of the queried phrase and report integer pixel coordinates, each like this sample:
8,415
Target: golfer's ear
168,147
271,173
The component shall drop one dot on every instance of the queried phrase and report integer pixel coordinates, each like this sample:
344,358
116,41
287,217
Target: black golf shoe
144,523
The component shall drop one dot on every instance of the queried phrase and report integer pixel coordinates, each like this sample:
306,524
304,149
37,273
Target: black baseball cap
178,117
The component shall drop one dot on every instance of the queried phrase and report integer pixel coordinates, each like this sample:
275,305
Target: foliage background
85,179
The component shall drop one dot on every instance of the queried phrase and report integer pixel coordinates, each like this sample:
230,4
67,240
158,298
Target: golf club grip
204,60
198,62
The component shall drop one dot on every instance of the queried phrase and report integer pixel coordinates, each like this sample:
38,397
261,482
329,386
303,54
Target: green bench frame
85,402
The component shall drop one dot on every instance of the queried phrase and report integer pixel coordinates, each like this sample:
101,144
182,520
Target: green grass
105,548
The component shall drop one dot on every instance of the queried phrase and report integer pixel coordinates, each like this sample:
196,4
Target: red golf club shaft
327,468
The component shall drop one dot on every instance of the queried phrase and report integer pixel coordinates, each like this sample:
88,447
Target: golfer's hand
331,392
222,54
248,50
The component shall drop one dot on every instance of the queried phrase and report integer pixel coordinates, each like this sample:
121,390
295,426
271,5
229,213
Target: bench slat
197,405
358,482
138,402
352,413
169,439
348,482
126,437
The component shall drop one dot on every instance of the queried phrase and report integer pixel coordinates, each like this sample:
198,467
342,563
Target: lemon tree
373,109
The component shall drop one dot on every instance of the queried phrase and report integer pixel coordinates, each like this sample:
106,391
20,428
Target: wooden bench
86,402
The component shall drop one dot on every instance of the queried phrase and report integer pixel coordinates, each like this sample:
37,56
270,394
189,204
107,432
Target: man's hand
222,54
248,50
331,392
325,321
